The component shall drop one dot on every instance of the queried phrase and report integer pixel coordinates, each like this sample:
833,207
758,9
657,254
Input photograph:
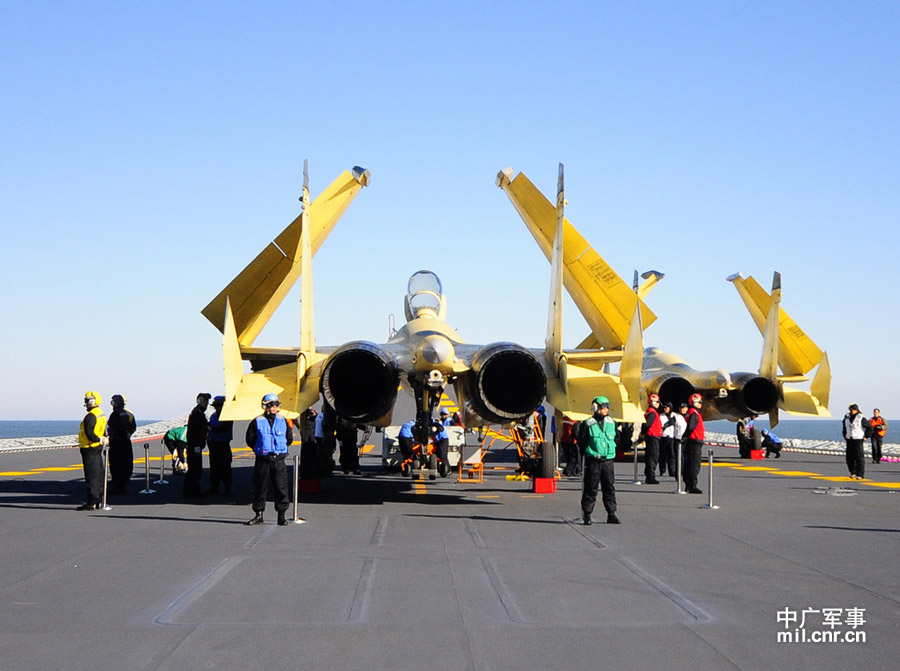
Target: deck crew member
270,435
120,427
91,440
197,432
879,428
693,444
598,437
667,441
219,443
405,439
772,443
651,432
856,429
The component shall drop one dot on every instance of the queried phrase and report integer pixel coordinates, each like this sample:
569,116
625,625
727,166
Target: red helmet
654,397
696,399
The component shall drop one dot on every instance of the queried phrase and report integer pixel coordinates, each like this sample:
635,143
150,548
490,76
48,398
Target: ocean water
40,428
807,429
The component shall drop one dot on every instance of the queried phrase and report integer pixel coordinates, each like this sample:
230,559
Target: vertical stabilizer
768,366
231,350
307,335
553,342
633,359
820,387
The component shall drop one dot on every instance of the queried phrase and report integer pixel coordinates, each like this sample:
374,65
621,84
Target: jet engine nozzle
752,394
670,387
360,382
506,382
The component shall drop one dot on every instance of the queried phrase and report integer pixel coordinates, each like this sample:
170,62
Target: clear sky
151,149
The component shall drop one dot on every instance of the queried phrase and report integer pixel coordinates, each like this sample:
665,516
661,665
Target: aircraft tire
432,466
548,460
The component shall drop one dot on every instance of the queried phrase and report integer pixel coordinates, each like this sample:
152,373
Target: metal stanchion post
162,465
710,463
297,519
105,477
635,480
679,489
146,489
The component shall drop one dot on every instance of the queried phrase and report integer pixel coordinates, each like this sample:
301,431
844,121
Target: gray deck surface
388,575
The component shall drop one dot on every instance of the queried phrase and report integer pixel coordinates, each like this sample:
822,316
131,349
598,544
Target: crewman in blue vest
405,439
772,443
269,435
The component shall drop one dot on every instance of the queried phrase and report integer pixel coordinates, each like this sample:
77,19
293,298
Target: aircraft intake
360,382
506,382
673,388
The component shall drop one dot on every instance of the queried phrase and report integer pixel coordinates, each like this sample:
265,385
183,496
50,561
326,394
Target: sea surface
40,428
809,429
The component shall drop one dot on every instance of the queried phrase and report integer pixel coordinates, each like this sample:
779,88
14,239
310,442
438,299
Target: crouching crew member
91,441
693,444
269,435
772,443
598,436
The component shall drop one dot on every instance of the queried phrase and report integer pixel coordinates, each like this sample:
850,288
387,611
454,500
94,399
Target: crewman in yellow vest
91,442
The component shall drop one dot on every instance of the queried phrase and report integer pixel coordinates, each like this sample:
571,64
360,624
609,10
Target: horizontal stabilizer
574,394
797,353
281,380
605,300
258,290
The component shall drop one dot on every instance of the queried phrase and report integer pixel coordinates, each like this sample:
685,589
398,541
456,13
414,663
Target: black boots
257,519
282,522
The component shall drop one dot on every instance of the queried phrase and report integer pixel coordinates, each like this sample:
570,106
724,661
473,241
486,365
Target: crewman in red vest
693,444
651,432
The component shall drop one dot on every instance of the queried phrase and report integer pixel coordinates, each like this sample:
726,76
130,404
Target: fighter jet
359,381
606,302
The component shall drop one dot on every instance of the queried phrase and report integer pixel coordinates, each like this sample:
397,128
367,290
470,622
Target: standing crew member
879,428
347,434
856,429
651,432
667,442
197,432
571,451
120,427
219,443
91,441
693,444
269,435
598,436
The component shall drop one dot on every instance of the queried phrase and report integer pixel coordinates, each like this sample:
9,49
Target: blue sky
150,150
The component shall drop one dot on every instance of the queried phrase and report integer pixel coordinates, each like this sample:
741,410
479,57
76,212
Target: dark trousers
349,454
667,455
406,445
573,458
876,448
651,456
441,448
220,459
92,458
856,460
692,455
598,474
194,472
270,469
121,465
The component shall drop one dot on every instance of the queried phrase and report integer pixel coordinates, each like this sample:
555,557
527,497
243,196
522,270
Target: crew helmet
269,400
600,402
218,401
202,396
91,400
696,400
117,401
444,411
654,397
764,432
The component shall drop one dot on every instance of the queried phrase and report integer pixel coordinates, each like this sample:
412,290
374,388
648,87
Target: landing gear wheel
432,466
442,469
406,469
548,461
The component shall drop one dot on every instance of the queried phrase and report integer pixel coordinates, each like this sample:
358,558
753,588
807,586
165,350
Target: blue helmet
269,400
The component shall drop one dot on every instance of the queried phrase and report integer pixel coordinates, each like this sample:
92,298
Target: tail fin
633,359
797,353
258,290
553,343
307,332
768,366
605,300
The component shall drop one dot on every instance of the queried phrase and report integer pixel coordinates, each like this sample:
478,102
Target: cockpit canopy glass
424,292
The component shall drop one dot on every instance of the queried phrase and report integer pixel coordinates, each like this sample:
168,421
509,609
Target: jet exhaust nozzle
674,389
506,382
360,382
754,394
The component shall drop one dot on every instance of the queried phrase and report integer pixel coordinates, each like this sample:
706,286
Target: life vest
601,438
697,433
654,426
270,438
219,431
878,426
854,427
99,428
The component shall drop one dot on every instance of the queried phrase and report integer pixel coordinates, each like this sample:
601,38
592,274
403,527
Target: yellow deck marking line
367,448
48,469
16,474
797,473
532,496
754,468
419,488
892,485
487,496
839,478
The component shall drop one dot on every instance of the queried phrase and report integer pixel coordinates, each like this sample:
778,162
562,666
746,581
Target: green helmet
601,400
